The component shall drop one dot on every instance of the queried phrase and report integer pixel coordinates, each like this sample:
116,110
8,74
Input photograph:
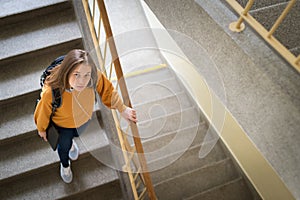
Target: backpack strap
56,101
46,73
57,61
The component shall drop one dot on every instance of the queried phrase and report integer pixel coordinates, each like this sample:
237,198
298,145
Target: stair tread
17,157
155,77
233,190
23,76
183,161
151,76
18,118
39,33
169,122
13,7
154,90
189,136
198,180
167,104
88,173
174,144
164,125
163,107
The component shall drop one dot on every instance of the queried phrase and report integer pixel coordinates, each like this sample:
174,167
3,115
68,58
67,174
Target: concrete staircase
171,127
172,131
262,90
33,34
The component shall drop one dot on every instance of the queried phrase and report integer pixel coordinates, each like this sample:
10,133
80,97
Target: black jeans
66,136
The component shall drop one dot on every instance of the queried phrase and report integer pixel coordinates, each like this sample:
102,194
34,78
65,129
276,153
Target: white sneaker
74,151
66,173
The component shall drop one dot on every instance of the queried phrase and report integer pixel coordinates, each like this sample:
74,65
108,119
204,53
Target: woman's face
80,77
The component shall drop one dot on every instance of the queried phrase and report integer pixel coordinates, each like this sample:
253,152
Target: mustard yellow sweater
76,107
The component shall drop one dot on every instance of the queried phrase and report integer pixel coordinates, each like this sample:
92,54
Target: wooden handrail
114,54
143,172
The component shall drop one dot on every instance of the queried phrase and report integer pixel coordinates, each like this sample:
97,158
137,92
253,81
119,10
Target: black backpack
56,97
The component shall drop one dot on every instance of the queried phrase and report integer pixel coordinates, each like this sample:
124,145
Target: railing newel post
239,26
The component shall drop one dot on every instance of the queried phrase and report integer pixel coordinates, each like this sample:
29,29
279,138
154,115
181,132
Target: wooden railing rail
135,161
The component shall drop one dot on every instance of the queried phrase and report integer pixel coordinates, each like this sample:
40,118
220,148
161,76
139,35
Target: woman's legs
66,136
64,144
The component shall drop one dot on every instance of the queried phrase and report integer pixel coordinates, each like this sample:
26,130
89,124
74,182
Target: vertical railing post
281,17
93,13
297,60
90,21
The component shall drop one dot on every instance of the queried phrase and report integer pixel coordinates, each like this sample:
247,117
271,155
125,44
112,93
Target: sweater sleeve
108,94
43,110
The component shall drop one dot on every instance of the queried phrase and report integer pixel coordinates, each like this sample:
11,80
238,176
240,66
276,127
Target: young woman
77,78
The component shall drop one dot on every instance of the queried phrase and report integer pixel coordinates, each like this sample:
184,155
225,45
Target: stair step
88,174
18,118
169,123
39,33
181,162
109,191
176,141
160,82
164,125
190,183
162,107
21,77
154,76
14,11
152,91
168,147
17,157
233,190
165,147
14,7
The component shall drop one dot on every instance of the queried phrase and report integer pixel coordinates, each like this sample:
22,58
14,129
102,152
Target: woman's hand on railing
129,114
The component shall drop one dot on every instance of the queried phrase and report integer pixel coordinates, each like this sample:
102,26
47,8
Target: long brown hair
59,77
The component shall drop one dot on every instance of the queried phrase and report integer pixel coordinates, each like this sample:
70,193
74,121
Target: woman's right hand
43,135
